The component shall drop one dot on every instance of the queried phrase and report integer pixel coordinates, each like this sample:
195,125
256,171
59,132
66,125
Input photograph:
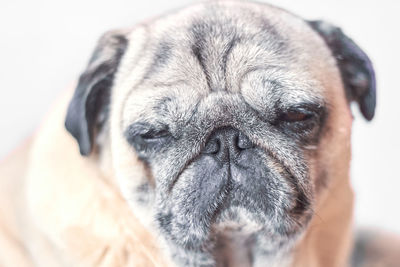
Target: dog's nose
225,144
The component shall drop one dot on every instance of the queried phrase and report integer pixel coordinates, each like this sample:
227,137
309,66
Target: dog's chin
273,233
233,223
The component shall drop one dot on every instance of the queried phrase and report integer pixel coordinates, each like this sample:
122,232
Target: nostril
226,144
243,142
212,147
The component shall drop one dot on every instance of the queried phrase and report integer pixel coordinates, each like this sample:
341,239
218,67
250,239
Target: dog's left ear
355,67
88,109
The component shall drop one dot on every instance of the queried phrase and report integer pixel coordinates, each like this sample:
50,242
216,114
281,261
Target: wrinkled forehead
262,55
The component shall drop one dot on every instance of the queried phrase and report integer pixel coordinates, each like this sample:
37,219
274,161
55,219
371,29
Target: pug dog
215,135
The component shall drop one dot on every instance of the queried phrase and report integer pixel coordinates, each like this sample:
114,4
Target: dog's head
223,115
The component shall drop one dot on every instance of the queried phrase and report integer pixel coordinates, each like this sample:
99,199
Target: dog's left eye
295,116
299,121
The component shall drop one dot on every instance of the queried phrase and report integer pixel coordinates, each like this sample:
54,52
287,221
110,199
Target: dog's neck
328,240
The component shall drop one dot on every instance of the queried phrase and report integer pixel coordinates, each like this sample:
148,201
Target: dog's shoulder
70,211
12,173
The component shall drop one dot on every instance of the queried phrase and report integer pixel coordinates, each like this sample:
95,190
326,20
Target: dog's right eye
146,139
153,134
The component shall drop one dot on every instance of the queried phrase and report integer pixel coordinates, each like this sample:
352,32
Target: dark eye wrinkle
306,106
278,88
315,108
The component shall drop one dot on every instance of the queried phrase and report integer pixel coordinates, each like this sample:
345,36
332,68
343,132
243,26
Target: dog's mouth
195,215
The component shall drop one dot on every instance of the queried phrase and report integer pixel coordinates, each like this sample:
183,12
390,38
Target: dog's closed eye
146,138
295,116
300,121
153,135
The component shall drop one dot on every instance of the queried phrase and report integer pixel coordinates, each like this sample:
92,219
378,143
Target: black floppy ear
355,67
88,109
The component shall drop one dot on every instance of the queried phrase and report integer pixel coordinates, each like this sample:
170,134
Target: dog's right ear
88,109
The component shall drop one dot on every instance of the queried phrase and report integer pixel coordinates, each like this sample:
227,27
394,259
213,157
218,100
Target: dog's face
223,117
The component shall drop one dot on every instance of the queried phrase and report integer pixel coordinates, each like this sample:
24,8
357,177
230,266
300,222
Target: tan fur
328,241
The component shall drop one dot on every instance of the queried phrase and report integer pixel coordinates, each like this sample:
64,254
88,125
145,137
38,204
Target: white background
44,45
